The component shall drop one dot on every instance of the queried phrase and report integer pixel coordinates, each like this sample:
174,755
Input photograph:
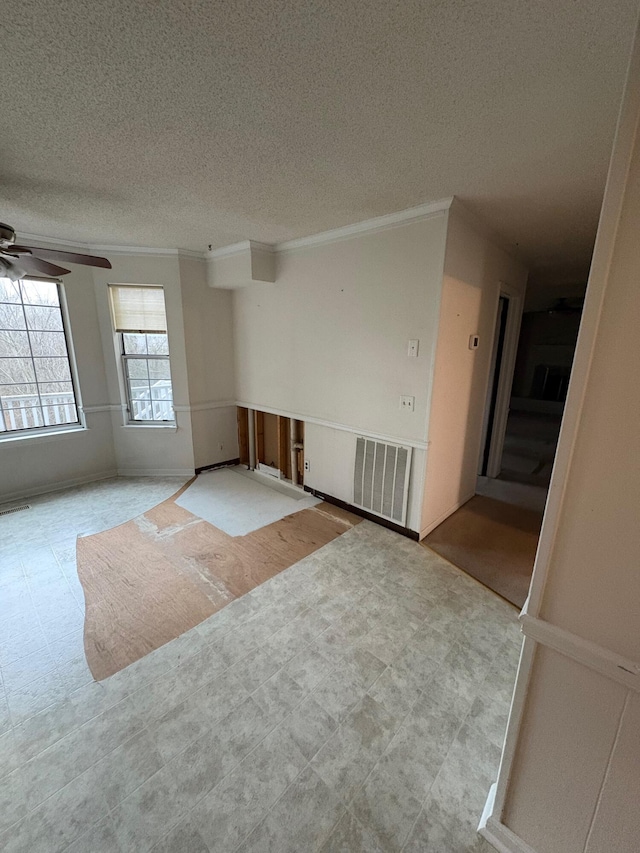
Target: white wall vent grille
381,478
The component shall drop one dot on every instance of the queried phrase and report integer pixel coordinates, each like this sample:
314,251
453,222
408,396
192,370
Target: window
36,383
140,320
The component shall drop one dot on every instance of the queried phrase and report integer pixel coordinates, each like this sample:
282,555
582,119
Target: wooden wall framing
284,437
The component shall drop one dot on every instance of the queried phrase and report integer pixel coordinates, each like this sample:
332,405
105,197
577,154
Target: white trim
507,368
25,237
389,439
210,404
516,713
156,472
9,438
614,197
56,487
95,248
379,223
138,425
102,407
432,526
616,667
502,838
239,249
487,811
192,254
136,250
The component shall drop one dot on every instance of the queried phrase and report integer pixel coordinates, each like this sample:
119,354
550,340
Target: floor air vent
381,478
14,509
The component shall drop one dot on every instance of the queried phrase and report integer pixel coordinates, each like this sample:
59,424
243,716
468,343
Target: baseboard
56,487
496,833
432,526
503,839
356,510
155,472
227,464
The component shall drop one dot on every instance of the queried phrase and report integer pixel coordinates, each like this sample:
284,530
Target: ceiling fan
19,261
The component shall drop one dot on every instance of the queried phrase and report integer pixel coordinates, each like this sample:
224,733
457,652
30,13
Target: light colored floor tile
346,759
20,645
350,836
232,810
26,669
37,695
373,659
387,809
302,819
310,726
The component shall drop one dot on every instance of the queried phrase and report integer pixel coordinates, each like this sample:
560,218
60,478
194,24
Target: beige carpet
153,578
493,541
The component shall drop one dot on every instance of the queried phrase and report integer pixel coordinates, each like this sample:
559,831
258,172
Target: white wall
328,343
208,335
474,270
142,449
569,782
200,332
30,464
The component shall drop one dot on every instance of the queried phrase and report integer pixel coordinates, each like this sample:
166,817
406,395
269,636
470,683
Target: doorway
489,431
494,536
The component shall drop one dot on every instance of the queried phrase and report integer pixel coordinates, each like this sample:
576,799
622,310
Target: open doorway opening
519,471
494,536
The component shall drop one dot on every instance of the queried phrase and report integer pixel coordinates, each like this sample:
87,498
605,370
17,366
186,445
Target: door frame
506,370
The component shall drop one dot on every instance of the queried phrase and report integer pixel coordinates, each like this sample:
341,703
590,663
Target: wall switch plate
407,403
307,465
474,341
413,349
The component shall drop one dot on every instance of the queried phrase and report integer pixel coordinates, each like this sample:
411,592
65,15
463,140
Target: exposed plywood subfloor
493,541
155,577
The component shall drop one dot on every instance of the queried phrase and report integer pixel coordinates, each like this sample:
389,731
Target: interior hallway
357,700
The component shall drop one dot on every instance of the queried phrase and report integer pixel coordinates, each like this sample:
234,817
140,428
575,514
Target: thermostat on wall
474,341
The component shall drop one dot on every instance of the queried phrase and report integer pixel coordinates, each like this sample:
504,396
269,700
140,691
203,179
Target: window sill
167,427
41,437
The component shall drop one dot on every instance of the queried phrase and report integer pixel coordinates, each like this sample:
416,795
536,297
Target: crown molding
39,239
379,223
25,237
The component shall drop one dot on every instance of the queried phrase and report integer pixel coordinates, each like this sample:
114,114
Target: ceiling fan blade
69,257
36,266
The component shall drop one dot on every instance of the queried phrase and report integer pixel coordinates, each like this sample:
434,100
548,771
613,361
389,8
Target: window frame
131,421
48,429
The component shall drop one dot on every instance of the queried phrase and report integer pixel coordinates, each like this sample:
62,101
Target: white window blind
138,309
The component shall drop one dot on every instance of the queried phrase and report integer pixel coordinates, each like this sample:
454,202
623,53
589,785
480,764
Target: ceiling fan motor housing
7,235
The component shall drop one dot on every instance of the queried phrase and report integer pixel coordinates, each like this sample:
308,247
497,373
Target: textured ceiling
181,123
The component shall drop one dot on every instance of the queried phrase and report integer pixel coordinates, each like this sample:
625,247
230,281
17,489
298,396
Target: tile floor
355,702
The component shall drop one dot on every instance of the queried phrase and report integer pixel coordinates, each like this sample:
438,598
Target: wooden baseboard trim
227,464
356,510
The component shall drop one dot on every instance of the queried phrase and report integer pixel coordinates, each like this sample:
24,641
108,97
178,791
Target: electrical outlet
307,465
407,403
412,351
